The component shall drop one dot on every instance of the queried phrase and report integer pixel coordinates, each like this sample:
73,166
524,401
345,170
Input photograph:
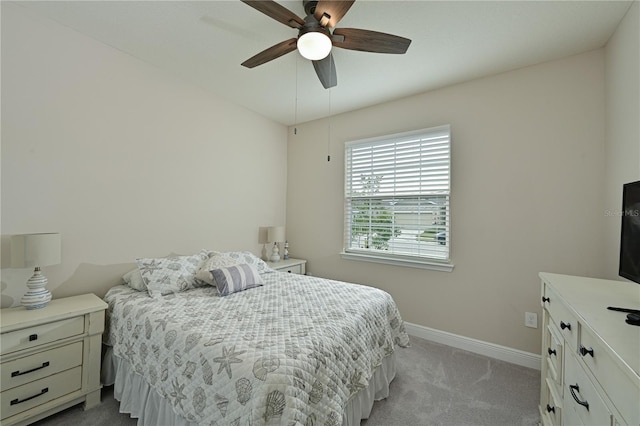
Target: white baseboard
503,353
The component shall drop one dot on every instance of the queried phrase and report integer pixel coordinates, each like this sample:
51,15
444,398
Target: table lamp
275,235
35,250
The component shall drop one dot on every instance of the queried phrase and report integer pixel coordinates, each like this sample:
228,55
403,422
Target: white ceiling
205,42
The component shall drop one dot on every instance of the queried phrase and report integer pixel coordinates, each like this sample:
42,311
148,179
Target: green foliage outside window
372,221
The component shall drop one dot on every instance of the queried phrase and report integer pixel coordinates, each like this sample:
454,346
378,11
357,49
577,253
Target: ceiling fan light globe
314,45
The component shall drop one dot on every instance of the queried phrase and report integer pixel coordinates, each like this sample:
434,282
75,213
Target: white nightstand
293,266
50,358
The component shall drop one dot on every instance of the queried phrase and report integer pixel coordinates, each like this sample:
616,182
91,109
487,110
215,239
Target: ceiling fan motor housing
310,6
311,24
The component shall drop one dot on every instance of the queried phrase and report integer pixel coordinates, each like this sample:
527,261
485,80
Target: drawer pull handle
33,337
552,352
584,351
545,299
19,401
20,373
575,387
551,409
564,325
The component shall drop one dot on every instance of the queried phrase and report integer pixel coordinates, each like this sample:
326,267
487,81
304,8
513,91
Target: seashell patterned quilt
293,351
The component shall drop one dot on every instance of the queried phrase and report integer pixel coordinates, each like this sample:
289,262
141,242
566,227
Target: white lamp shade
314,45
31,250
275,234
263,235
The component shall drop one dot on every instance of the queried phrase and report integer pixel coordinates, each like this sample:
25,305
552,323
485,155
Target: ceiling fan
317,34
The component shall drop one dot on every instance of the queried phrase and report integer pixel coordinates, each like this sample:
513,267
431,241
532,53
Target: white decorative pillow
219,260
134,280
170,274
236,278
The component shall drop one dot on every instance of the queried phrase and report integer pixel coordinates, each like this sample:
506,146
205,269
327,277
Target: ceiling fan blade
369,41
330,12
271,53
276,11
326,70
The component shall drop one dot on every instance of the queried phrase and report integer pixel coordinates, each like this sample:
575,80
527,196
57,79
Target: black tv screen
630,232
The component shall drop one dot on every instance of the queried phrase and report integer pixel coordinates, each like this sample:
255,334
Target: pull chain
295,114
329,131
329,125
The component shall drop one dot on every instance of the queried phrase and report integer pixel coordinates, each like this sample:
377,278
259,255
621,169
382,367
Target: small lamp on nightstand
275,235
35,250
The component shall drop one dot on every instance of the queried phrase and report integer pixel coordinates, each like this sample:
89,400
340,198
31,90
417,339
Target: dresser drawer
42,364
27,396
551,407
40,334
553,355
620,388
571,417
564,320
581,395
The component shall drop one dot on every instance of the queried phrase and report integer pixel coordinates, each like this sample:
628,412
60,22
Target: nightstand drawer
41,334
25,397
291,266
39,365
296,269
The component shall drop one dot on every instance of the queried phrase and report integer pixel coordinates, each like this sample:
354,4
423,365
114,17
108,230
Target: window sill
421,264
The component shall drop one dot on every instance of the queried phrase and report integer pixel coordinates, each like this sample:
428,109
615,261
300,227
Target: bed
293,349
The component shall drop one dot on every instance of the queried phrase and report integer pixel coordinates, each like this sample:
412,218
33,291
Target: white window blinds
397,192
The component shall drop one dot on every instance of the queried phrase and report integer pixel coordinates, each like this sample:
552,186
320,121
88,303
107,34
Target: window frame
379,256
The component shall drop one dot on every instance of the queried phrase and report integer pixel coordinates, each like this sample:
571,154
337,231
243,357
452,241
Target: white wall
622,79
527,173
123,160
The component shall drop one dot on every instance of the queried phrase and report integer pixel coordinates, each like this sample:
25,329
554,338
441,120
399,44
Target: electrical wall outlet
531,319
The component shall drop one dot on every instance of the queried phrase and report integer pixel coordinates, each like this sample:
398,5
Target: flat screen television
630,232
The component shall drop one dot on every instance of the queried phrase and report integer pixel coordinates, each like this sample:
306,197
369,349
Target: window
397,192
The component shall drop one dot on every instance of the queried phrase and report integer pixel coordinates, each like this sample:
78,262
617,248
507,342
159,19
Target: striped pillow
236,278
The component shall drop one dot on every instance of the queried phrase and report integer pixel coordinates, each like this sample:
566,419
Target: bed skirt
139,400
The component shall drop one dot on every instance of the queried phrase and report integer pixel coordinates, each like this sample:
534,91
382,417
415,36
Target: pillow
170,274
236,278
134,280
219,260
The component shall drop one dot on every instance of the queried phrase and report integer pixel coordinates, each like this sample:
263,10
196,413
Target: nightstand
50,358
293,266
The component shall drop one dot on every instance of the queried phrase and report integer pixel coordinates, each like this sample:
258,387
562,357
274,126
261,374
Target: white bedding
297,350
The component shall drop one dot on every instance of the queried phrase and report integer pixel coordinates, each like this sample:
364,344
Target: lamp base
275,253
37,296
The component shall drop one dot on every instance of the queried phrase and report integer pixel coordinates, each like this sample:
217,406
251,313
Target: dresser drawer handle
564,325
575,387
19,401
584,351
33,337
20,373
552,352
545,299
551,409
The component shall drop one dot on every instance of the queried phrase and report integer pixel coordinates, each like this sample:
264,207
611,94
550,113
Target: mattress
298,350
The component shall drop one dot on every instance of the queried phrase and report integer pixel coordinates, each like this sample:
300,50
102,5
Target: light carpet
434,385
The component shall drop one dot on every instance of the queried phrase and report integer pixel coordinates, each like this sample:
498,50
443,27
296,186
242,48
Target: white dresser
50,358
590,356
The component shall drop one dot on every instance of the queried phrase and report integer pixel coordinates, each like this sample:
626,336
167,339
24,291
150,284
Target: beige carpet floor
434,385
